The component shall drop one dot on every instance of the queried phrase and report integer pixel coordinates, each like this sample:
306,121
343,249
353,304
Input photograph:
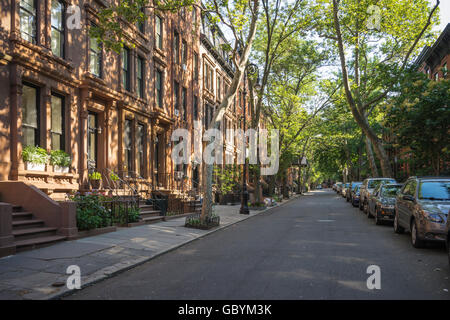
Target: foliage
60,158
226,179
419,117
114,177
34,154
95,176
91,213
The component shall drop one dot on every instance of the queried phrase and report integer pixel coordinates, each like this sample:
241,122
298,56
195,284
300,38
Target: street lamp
250,69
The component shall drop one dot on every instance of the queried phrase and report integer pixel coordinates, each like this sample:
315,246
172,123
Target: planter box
95,232
59,169
34,166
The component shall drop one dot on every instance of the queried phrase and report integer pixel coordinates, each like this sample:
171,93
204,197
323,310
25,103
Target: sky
444,15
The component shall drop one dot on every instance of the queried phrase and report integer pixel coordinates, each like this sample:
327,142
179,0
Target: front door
92,141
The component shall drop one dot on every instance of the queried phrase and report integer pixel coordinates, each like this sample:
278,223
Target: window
140,77
95,57
126,68
219,88
30,116
184,103
27,13
176,47
183,13
127,143
159,88
57,21
140,140
141,24
57,123
159,32
444,70
176,97
436,76
184,52
195,108
195,66
209,73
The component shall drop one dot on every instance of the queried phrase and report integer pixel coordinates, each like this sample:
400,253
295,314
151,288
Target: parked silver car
422,208
368,187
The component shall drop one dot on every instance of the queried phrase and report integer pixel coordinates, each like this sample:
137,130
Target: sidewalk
41,273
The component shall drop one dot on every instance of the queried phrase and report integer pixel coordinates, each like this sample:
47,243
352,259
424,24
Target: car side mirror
408,197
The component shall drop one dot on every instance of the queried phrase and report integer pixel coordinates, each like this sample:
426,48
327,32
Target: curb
120,267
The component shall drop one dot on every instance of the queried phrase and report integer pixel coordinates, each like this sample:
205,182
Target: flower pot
59,169
34,166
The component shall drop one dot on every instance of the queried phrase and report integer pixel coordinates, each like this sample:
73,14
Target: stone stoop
149,214
31,233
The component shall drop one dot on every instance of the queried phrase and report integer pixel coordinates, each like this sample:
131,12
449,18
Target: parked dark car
422,208
348,194
368,188
382,202
355,195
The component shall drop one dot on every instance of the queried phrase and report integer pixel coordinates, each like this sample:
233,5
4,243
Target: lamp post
250,69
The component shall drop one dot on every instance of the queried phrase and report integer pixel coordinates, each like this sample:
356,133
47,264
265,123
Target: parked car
447,237
344,189
382,202
422,208
319,187
339,188
367,189
355,195
348,194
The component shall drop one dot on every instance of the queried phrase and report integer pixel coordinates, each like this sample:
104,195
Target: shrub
59,158
95,176
113,176
35,155
91,214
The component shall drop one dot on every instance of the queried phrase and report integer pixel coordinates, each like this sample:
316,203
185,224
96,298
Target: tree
280,24
377,54
419,117
239,16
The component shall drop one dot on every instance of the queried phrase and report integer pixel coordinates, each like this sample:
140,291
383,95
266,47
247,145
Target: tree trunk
357,115
226,103
371,159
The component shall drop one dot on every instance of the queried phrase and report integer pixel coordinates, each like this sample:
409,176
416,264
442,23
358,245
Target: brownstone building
112,113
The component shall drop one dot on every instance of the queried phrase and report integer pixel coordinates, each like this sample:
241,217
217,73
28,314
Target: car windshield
434,190
347,185
375,183
356,186
390,191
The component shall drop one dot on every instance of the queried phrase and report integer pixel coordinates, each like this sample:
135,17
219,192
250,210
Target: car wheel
377,219
360,204
415,239
397,228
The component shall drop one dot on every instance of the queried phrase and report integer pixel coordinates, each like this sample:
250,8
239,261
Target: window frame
159,37
37,129
140,81
98,54
159,94
61,32
62,134
128,150
126,71
35,14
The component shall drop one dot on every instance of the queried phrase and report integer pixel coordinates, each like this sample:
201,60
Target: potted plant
60,160
35,158
94,179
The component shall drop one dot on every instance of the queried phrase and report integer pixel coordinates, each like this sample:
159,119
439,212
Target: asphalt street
315,247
